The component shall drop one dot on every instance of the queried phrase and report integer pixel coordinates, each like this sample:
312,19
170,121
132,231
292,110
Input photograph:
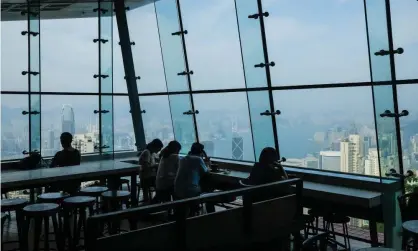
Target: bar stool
57,197
411,230
73,206
42,212
113,201
332,219
3,220
16,205
96,192
125,181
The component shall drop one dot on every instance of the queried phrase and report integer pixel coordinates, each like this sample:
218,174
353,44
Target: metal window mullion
187,69
395,94
100,78
29,80
268,76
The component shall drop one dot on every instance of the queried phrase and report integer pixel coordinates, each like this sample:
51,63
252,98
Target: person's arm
54,160
281,172
203,167
145,160
78,156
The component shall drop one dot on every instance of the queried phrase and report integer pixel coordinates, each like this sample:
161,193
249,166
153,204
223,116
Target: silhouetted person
191,169
267,169
167,171
68,156
147,162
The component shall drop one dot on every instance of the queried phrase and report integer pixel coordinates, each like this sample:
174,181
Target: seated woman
191,169
68,156
167,170
267,169
146,162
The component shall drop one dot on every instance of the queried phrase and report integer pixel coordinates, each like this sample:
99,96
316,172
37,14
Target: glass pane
157,118
171,45
323,42
262,125
182,124
124,129
34,51
119,82
73,114
251,44
14,55
334,134
409,129
378,40
224,125
107,123
404,16
106,53
212,25
35,123
63,39
147,51
14,126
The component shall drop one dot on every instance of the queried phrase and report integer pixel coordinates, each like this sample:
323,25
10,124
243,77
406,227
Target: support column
128,64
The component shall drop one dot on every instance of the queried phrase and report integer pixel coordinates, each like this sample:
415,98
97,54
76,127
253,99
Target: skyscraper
67,119
371,164
351,154
237,148
329,160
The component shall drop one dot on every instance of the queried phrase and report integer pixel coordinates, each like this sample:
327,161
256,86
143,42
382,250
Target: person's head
268,156
155,146
173,147
66,139
197,149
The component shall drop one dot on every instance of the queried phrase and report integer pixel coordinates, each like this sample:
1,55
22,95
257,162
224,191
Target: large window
320,43
14,126
73,114
14,56
124,136
225,129
68,54
213,47
312,128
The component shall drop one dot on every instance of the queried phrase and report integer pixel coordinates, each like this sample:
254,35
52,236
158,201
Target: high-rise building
329,160
237,148
371,164
367,143
51,140
351,154
311,162
414,143
67,119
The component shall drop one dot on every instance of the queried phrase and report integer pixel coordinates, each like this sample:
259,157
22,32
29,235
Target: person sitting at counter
267,169
146,162
167,170
68,156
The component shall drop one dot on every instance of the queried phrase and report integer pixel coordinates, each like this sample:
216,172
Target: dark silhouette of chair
318,242
96,192
408,204
14,205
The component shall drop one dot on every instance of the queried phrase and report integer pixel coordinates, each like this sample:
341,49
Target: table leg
134,196
32,195
373,231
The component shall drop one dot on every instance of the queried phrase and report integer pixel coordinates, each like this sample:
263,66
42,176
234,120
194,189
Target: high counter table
15,180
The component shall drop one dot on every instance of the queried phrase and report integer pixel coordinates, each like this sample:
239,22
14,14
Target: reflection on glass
73,114
171,45
251,44
182,124
213,47
336,133
35,122
124,136
14,126
404,19
261,125
69,56
378,40
156,118
14,55
409,127
323,42
107,123
225,130
146,52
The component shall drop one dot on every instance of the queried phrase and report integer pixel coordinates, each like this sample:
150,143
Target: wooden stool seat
13,204
53,197
41,209
79,201
116,195
338,219
411,226
94,191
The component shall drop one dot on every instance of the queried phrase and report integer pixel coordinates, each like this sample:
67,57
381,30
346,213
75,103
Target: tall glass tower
67,119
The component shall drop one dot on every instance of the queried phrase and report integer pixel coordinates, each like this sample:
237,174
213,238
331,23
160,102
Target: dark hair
268,156
172,148
155,143
197,149
66,138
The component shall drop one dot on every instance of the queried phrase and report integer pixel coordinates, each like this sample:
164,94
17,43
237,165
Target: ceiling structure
11,10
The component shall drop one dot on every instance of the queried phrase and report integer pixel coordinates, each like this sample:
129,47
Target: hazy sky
311,42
